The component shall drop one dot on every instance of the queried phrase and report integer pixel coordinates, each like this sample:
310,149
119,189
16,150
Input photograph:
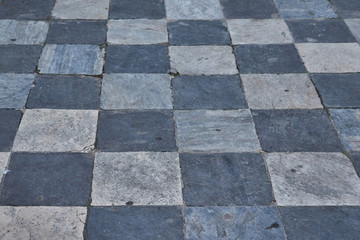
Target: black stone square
26,9
130,9
9,123
258,9
355,158
19,58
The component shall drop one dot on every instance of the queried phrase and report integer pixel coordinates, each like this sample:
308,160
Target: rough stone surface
254,9
23,32
348,8
354,26
137,9
29,9
54,130
305,9
4,158
193,9
81,9
9,123
14,89
216,131
355,158
19,58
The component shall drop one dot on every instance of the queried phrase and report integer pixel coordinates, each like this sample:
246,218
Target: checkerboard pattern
180,119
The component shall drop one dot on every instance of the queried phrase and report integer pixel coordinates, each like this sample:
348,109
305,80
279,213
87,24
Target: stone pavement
180,119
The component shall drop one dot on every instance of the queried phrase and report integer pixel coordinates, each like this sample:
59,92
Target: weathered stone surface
259,31
216,131
303,179
23,32
305,9
9,123
137,9
253,9
207,60
81,9
193,9
285,91
29,9
19,58
53,130
4,158
355,158
348,8
14,89
233,223
136,91
330,57
42,222
354,26
142,178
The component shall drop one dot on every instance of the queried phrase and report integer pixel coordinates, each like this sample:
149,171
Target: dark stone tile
355,158
65,92
48,179
318,223
208,92
249,9
28,9
19,58
348,8
141,223
225,179
130,9
121,131
268,59
322,31
198,32
78,32
9,123
137,59
296,131
338,90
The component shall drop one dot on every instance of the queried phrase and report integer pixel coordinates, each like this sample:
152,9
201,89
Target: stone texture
305,9
354,26
4,158
225,179
207,60
355,158
193,9
233,223
42,223
71,59
143,178
285,91
81,9
137,9
50,179
19,58
303,179
259,31
9,123
29,9
23,32
14,89
216,131
253,9
136,91
114,223
54,130
348,8
330,57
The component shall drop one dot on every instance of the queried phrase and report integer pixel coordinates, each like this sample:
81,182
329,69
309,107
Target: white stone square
193,9
81,9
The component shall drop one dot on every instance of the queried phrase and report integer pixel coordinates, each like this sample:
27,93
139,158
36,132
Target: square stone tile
134,223
203,60
320,30
355,158
338,90
281,58
121,131
302,179
14,89
29,9
42,222
81,9
208,92
305,9
198,32
348,8
23,32
71,59
216,131
19,58
296,131
285,91
233,223
139,9
139,31
254,9
139,178
193,9
354,26
54,130
136,91
4,158
65,92
210,179
48,179
347,122
137,59
77,32
9,123
330,57
259,31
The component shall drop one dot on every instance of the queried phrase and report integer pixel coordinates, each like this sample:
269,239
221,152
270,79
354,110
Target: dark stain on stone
218,130
129,203
293,170
286,90
158,138
274,225
13,39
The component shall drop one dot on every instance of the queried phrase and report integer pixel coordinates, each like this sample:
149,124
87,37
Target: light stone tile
216,131
313,179
139,31
71,59
136,91
81,9
330,57
143,178
259,31
23,32
50,130
354,26
4,158
42,223
285,91
193,9
14,89
207,60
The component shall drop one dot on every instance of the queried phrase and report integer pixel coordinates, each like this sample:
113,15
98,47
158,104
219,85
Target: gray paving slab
355,158
249,9
19,58
348,8
81,9
9,123
14,89
137,9
193,9
305,9
354,26
30,9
